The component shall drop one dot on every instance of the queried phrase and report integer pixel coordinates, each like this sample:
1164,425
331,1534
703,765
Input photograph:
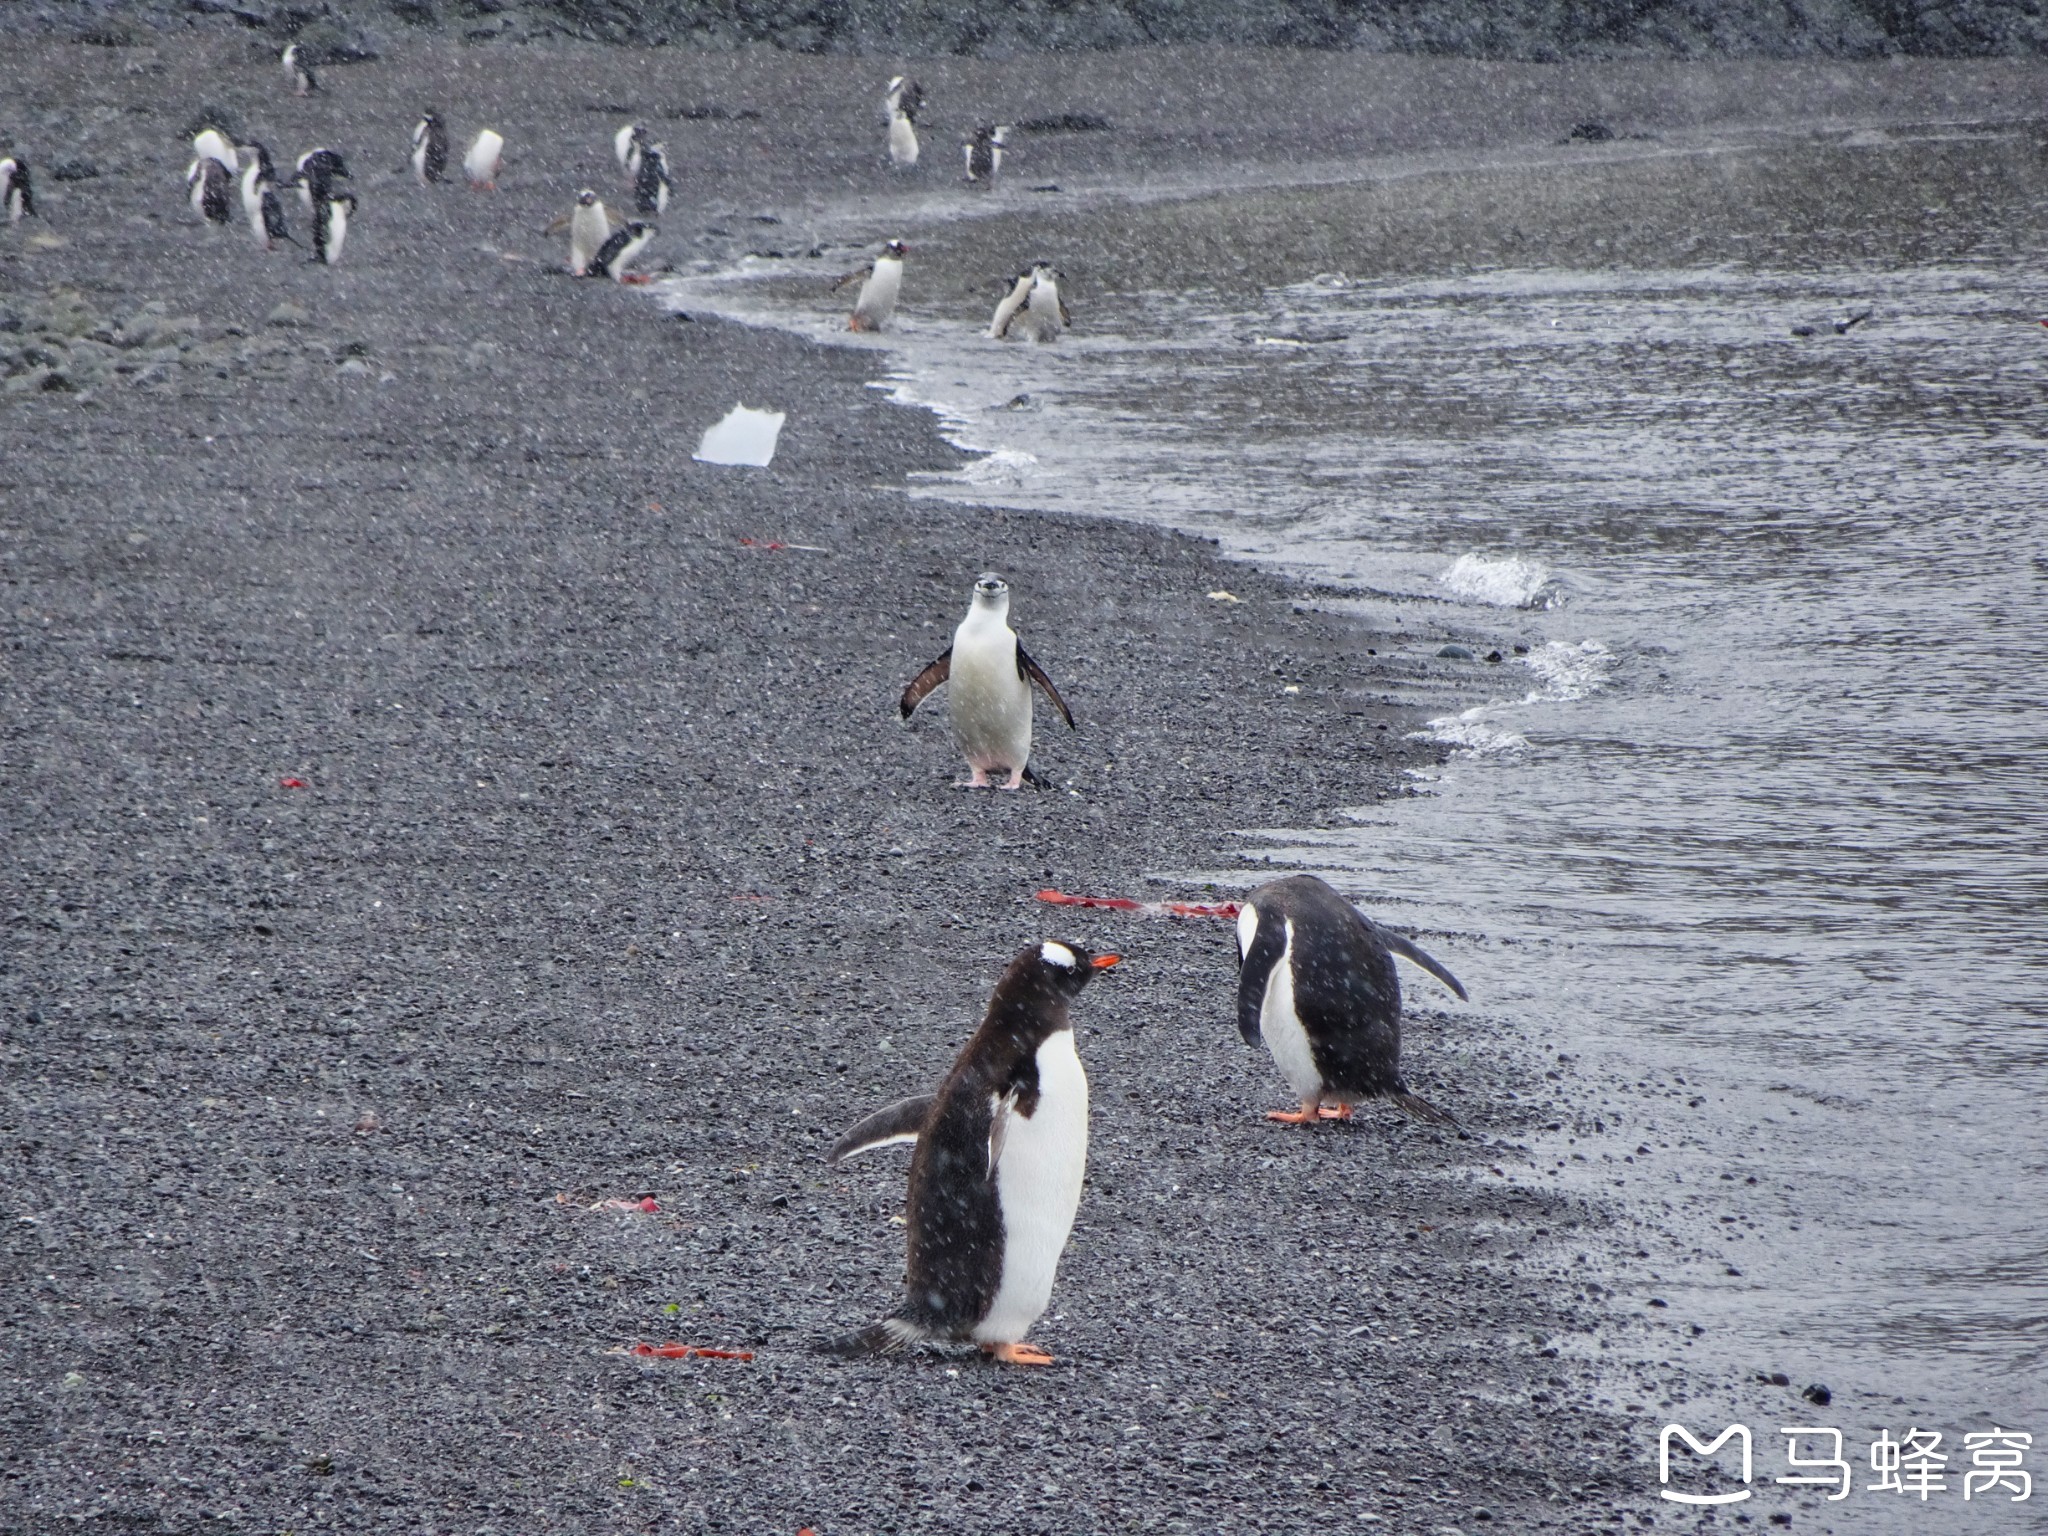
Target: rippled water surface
1761,808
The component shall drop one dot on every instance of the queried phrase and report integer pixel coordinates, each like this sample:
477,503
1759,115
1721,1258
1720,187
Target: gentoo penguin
299,72
996,1178
260,202
650,182
316,170
904,100
1033,307
991,675
1316,980
330,226
208,185
16,195
618,252
984,153
589,224
485,155
429,149
629,144
881,282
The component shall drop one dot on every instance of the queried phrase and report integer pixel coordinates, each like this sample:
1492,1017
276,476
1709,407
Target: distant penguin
316,171
1002,1149
1316,981
486,154
330,226
903,101
16,195
989,674
210,189
629,144
984,153
881,283
299,72
651,184
1033,307
429,149
620,250
589,224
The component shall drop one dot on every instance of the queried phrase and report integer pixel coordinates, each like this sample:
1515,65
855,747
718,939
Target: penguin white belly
877,300
902,140
989,703
252,204
1042,310
589,228
1038,1185
1282,1028
337,231
419,160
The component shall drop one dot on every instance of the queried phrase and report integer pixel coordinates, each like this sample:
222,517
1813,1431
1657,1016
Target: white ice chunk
745,437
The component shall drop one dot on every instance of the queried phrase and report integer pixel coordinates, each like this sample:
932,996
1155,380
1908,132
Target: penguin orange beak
1104,962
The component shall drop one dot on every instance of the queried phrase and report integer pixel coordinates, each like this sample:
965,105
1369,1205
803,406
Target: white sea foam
1506,581
1473,731
1568,671
1004,466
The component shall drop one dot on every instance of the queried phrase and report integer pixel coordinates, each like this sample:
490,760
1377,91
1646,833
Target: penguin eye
1053,953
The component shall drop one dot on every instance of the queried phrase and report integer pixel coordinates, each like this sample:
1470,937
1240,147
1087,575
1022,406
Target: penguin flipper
1026,667
1416,1107
900,1124
884,1338
1407,949
851,278
922,685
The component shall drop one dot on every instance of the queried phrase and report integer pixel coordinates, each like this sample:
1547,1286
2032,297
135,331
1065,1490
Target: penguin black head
1051,972
585,198
895,248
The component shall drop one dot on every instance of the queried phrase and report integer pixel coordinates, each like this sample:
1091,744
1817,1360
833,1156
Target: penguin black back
651,183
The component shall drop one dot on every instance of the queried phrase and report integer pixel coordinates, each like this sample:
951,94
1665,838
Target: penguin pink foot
1308,1114
1336,1111
1016,780
978,779
1017,1354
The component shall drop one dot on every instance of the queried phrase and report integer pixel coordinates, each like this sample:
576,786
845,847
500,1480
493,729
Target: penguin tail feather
887,1337
1416,1107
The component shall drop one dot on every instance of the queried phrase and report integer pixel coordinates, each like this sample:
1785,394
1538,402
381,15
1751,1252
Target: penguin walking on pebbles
651,184
1316,982
486,155
629,144
589,224
16,195
996,1178
299,71
429,149
1033,307
903,101
619,251
989,676
984,153
315,174
331,217
881,282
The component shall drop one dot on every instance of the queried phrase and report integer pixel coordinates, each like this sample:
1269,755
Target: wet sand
613,876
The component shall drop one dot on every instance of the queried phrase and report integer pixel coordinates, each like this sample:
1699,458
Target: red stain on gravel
291,783
1223,909
673,1351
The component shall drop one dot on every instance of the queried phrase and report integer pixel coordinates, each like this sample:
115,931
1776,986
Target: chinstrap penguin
651,184
881,282
486,154
299,72
315,173
331,217
903,101
619,252
16,195
1316,981
988,674
261,205
984,153
429,149
1033,307
995,1181
629,144
589,224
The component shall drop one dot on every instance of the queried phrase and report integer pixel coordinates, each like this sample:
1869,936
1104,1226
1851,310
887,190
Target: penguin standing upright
984,153
331,216
1316,981
881,282
589,224
651,184
619,251
299,71
16,195
1033,307
316,172
903,101
486,154
629,144
1002,1148
260,202
429,149
990,676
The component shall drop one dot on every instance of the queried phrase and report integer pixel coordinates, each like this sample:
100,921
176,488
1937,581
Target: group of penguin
1001,1147
983,153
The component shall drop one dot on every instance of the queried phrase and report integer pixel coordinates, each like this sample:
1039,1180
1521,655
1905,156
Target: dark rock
74,170
107,34
1454,653
1066,122
1818,1394
1494,656
1589,133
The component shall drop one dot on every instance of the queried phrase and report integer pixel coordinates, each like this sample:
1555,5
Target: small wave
1472,732
1505,582
1569,671
1004,466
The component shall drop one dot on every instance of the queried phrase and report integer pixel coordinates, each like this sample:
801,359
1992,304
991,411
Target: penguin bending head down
429,149
1033,307
486,154
651,184
989,676
314,174
207,184
881,282
260,202
1316,981
299,72
16,195
629,144
330,226
618,252
996,1177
